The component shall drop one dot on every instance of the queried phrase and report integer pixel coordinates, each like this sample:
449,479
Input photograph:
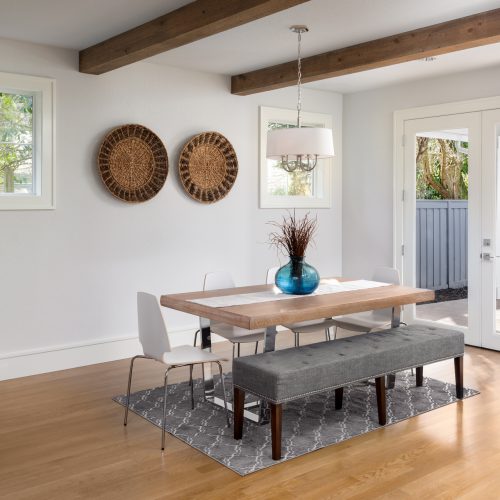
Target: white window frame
43,91
322,173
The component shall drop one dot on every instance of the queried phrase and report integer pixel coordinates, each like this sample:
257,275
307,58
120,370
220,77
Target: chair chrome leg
165,389
327,334
128,387
298,340
203,378
256,347
335,333
196,337
192,385
239,345
233,349
224,393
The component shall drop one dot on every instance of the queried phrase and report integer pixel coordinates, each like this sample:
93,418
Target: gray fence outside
441,244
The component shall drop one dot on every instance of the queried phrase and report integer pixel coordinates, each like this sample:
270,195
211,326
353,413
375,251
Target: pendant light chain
299,149
299,80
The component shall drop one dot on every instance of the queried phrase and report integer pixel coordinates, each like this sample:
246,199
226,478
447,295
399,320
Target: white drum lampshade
300,142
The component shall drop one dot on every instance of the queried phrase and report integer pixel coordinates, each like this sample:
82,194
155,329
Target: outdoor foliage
16,140
442,169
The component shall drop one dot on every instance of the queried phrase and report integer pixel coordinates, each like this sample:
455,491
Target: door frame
399,139
490,228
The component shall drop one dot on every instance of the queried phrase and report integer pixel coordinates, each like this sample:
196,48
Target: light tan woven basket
208,167
133,163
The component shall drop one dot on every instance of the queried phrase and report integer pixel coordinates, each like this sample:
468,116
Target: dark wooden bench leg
381,406
339,396
419,372
238,408
276,412
459,376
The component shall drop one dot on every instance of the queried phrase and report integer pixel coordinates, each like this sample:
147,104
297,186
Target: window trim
267,200
43,91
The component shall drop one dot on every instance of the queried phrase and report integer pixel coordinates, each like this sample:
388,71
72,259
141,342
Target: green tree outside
442,169
16,140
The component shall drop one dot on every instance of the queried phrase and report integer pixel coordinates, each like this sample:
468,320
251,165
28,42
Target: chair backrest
153,333
271,274
218,280
385,275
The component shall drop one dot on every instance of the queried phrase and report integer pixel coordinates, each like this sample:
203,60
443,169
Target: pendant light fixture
299,148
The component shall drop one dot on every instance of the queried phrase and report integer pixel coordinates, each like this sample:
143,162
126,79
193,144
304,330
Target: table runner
325,287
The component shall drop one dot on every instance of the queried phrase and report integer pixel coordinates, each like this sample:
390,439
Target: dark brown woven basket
133,163
208,167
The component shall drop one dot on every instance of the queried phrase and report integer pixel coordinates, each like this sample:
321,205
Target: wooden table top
279,312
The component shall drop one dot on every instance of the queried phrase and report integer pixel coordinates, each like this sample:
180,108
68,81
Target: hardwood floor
61,437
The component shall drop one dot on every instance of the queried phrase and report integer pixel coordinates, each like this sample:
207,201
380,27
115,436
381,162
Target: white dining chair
370,321
365,322
155,343
303,326
237,336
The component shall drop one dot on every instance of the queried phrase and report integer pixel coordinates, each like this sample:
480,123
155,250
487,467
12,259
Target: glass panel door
442,216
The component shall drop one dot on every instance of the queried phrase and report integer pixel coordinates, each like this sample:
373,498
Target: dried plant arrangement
293,234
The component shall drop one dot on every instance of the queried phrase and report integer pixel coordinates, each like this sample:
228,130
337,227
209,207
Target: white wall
368,159
69,276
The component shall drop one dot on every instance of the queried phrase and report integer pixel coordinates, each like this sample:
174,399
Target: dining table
265,307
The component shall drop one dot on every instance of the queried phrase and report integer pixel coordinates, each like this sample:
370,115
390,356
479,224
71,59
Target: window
26,142
281,189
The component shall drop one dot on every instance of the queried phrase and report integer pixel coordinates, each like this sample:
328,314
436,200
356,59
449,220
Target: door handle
487,256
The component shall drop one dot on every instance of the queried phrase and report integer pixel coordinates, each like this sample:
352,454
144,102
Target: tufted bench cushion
281,376
288,374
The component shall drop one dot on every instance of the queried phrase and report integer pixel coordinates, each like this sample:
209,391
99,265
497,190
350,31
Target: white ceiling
77,24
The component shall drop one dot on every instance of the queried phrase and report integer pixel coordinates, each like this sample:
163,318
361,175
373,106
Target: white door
490,252
435,227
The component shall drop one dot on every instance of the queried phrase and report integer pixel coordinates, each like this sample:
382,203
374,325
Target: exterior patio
452,312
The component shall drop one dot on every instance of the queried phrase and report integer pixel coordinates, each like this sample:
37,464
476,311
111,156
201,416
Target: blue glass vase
297,277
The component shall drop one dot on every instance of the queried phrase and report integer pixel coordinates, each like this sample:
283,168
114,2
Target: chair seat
237,335
189,355
361,322
310,326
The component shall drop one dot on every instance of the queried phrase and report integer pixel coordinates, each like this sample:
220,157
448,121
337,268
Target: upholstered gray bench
289,374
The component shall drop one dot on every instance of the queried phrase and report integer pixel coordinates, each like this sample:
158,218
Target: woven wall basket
133,163
208,167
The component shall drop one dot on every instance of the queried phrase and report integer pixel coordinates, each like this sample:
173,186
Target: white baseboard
62,357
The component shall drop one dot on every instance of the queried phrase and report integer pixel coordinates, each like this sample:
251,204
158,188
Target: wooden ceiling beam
187,24
458,34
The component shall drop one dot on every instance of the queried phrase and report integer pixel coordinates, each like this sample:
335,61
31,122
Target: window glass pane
16,144
441,251
283,183
297,189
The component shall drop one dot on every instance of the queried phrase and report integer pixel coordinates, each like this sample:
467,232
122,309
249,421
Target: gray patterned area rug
308,424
